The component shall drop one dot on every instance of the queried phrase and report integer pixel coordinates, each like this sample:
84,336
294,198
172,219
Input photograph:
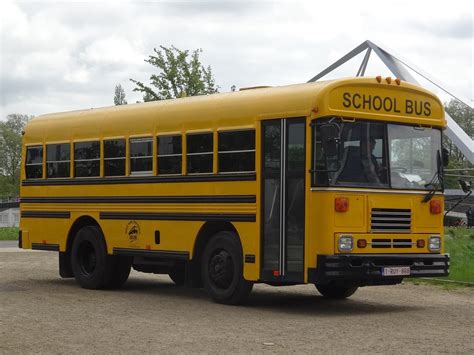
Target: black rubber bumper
366,269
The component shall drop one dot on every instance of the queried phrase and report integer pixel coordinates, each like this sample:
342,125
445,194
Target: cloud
58,56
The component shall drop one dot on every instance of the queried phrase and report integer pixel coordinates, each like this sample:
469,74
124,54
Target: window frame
314,170
35,145
104,158
71,151
158,155
131,140
86,160
237,151
209,132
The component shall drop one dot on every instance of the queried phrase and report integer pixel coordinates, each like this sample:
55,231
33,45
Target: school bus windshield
375,154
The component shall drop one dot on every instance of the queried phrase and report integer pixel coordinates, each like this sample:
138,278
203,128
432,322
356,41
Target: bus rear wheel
222,269
93,268
336,292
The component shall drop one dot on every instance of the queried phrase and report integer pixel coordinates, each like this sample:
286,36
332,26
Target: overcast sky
64,55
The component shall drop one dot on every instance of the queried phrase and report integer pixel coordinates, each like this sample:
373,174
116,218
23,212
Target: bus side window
236,151
58,159
87,159
114,157
169,154
34,162
199,153
141,156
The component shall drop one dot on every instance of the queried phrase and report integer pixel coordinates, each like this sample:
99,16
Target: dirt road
39,312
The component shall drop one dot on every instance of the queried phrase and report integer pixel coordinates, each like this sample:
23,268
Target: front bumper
366,269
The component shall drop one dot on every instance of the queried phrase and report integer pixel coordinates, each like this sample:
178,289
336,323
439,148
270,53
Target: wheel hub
221,269
88,258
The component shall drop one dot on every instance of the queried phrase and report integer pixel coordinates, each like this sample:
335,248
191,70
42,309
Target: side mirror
445,156
465,186
330,139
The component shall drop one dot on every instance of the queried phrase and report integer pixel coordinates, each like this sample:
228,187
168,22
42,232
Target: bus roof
344,97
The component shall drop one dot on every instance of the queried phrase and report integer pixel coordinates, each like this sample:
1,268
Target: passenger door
283,199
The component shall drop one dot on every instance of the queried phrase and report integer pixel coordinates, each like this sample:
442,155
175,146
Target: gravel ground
42,313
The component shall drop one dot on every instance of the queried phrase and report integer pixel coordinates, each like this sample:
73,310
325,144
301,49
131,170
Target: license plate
396,271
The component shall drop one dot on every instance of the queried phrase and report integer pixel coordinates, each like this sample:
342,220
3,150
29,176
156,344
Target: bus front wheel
222,269
93,268
336,292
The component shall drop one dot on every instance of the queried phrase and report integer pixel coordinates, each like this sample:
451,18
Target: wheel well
203,237
77,225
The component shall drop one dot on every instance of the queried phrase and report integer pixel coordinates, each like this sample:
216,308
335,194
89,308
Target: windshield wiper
437,179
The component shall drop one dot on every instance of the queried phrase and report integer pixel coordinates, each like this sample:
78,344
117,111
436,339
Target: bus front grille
391,243
390,220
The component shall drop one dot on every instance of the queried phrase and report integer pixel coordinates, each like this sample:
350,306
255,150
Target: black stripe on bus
151,216
144,199
141,179
45,214
43,246
161,254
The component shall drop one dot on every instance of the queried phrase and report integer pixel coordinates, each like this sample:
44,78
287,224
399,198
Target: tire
336,292
93,268
177,276
222,269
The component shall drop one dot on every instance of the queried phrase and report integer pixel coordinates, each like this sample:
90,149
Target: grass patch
9,233
459,243
442,284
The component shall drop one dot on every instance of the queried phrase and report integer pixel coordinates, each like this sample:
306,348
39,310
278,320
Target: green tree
464,117
119,98
10,152
180,74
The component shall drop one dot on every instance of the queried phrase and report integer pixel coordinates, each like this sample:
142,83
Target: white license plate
396,271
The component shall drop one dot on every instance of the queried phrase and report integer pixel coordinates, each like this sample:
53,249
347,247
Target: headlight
345,243
434,243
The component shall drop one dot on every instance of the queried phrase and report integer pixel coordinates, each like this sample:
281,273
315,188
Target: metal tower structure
398,66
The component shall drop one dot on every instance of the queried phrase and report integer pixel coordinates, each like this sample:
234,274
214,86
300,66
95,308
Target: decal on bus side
132,231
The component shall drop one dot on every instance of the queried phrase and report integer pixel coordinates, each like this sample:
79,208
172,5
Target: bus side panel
250,240
321,214
45,231
152,235
179,236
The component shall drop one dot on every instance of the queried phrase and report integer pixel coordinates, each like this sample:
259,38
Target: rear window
34,162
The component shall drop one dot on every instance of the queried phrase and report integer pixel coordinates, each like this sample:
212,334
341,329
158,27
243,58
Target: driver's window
363,160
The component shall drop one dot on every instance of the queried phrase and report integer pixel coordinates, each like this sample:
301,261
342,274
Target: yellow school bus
335,183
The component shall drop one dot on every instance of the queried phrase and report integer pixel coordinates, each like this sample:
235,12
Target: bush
9,233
